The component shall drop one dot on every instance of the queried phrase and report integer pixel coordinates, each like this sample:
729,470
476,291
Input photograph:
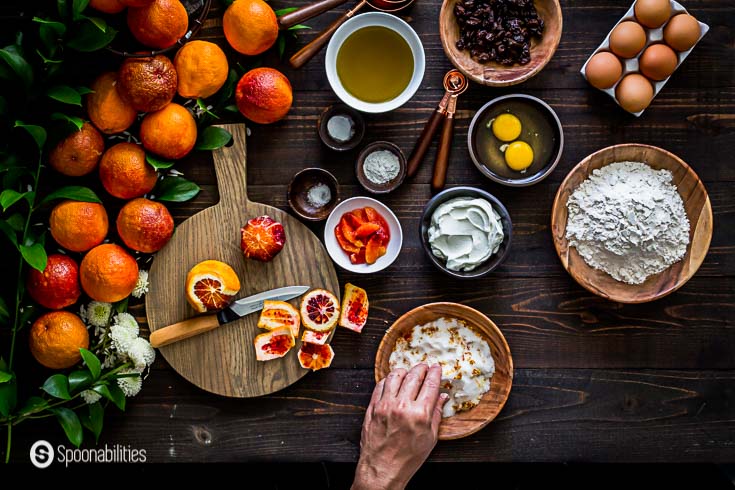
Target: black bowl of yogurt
466,232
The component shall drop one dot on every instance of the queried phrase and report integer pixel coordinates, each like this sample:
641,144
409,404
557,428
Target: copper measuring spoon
300,58
454,84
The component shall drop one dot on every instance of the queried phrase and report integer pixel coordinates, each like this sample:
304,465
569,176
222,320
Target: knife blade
238,309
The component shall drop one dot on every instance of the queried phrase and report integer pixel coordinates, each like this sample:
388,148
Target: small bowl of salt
312,194
381,167
341,127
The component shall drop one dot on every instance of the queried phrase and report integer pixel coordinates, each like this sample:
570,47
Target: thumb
437,416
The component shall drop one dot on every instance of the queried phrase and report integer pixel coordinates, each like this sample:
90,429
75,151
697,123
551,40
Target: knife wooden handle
183,330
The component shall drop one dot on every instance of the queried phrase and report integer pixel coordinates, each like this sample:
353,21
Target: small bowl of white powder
341,127
381,167
312,194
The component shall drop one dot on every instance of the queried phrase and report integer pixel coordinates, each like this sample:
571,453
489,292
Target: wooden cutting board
223,361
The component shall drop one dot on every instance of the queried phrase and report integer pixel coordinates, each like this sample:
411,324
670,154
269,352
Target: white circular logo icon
42,454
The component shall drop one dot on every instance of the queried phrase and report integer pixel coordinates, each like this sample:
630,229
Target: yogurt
465,232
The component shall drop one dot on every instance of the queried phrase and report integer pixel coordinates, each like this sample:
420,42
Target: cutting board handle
230,166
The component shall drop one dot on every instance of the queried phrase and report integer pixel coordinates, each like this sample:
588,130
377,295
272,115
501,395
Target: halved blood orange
312,337
278,314
210,285
355,305
315,356
273,344
319,310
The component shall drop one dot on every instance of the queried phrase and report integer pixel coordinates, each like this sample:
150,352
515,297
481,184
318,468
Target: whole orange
78,226
158,24
202,69
136,3
108,273
170,132
124,172
58,285
147,84
78,153
264,95
56,337
107,6
106,108
144,225
250,26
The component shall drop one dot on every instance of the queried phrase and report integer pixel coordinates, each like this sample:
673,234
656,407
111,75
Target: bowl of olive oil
375,62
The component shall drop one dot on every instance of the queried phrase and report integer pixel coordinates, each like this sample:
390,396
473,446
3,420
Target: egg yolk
506,127
519,155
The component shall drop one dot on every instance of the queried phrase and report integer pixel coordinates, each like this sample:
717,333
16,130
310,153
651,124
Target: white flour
628,220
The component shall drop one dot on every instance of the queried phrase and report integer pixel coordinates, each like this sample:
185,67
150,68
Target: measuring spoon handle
442,154
422,144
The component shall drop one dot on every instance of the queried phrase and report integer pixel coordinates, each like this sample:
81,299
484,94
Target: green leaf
5,377
281,42
34,255
59,27
37,133
79,380
47,61
285,11
63,7
81,90
93,418
33,405
74,192
76,121
113,393
16,221
65,94
213,138
203,107
4,311
88,37
57,385
92,362
231,108
9,197
298,27
70,423
156,163
8,397
122,305
77,7
176,189
22,69
99,23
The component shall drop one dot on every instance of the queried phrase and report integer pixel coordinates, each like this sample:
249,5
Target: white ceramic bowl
384,20
341,258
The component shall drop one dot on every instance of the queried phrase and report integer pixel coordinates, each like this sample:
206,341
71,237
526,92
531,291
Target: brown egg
658,61
634,92
627,39
603,70
652,13
682,32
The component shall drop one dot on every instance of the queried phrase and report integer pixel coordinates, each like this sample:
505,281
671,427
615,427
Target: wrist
376,477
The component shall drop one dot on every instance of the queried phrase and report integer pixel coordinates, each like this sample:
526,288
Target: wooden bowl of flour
698,210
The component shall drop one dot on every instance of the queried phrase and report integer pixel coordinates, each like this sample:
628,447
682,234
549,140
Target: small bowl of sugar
313,194
341,127
381,167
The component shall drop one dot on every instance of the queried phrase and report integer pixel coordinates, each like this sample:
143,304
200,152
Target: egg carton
653,36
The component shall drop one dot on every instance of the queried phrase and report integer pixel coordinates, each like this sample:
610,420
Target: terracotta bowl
495,74
696,203
463,423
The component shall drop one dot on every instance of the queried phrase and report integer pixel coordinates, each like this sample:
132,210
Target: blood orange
312,337
354,313
315,356
210,285
262,238
273,344
319,310
277,314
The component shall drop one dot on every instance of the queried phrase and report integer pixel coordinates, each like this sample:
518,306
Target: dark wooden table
594,380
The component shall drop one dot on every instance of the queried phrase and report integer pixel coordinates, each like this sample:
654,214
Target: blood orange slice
210,285
319,310
354,313
312,337
278,314
273,344
315,356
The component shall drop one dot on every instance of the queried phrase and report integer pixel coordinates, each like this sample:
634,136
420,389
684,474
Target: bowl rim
364,268
360,171
389,21
528,181
493,326
443,196
604,294
499,83
300,174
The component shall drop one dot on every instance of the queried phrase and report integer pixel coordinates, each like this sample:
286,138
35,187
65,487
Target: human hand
400,428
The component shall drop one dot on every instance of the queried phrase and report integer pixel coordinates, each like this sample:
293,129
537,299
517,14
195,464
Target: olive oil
375,64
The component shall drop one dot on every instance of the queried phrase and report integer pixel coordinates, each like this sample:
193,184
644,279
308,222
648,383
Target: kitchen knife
238,309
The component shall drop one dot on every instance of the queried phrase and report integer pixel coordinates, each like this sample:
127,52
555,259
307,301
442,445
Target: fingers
436,418
413,381
430,388
393,383
377,392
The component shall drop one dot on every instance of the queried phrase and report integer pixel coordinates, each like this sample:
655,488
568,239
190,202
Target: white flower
90,396
82,313
130,385
122,337
110,359
141,353
141,285
127,321
98,313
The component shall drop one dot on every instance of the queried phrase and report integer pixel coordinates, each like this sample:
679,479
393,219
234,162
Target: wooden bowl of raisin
502,42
